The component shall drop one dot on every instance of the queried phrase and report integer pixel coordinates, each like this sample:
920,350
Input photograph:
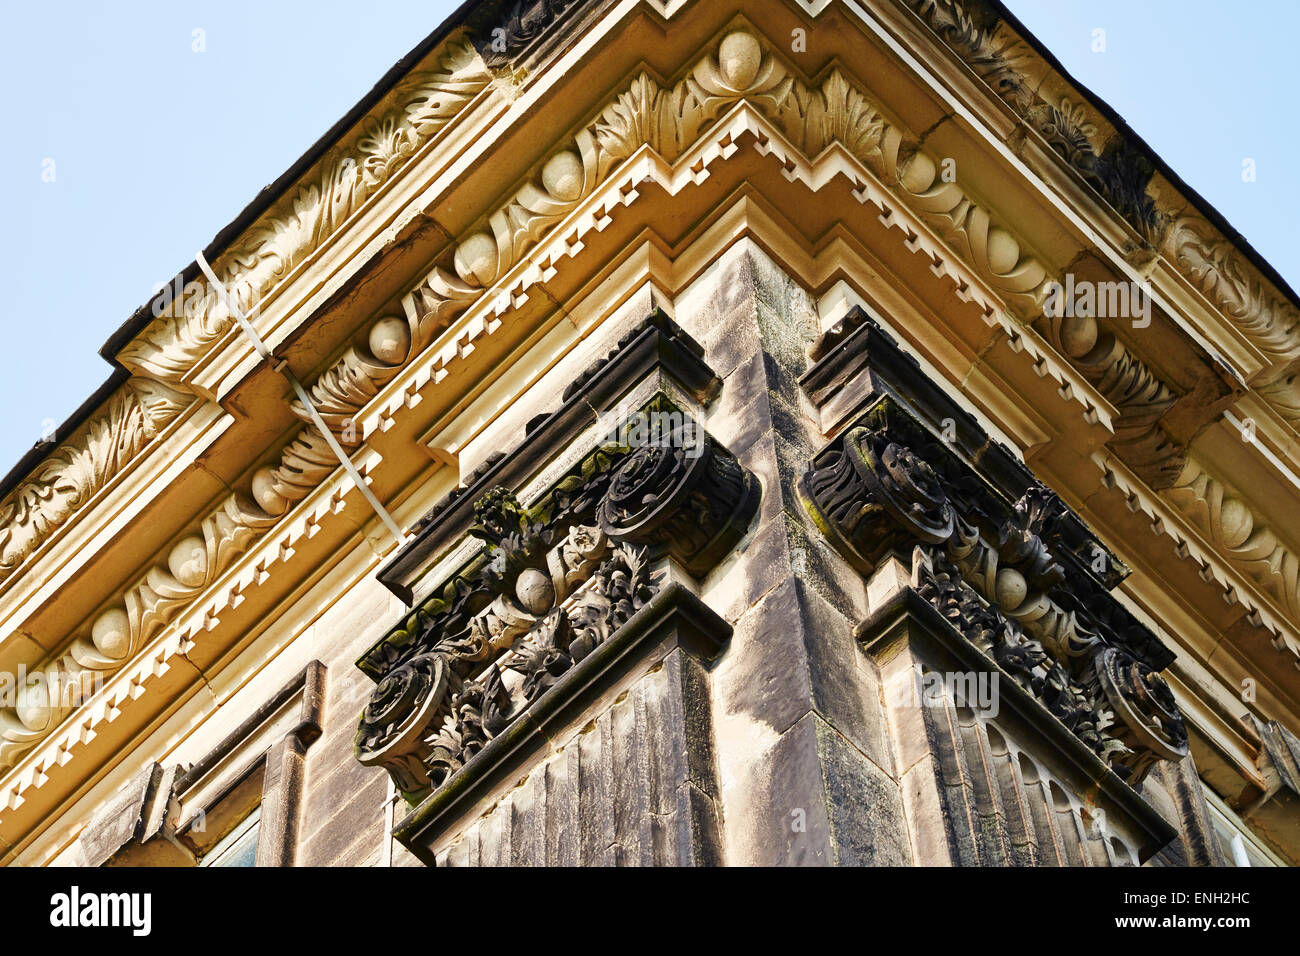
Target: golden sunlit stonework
909,538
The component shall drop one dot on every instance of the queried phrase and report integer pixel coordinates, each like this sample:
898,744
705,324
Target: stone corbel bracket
857,362
1008,563
567,593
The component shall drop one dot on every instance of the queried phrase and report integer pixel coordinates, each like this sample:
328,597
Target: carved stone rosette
692,500
1004,576
1150,723
402,705
903,500
553,582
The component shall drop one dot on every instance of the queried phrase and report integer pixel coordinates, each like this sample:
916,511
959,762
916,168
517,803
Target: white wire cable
317,420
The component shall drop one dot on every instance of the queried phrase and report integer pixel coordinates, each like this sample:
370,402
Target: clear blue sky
156,147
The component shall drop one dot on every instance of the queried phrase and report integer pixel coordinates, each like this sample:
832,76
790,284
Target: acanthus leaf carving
1235,288
119,631
812,117
740,69
1074,701
169,347
303,219
1120,173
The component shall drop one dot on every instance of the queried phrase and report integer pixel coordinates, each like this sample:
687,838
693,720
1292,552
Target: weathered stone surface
792,653
720,312
864,804
634,787
776,803
813,799
119,823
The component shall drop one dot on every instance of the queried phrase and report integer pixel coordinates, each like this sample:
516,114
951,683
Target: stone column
805,773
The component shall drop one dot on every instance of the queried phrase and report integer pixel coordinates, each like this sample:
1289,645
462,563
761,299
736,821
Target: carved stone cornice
1114,169
339,185
285,236
1002,572
64,682
350,174
117,634
673,119
1235,287
1121,175
1223,515
669,120
1191,514
84,464
811,118
297,224
553,582
738,71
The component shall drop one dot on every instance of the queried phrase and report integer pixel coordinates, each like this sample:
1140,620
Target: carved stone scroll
692,500
72,474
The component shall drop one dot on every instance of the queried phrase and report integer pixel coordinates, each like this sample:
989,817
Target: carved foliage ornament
1221,513
171,345
315,209
553,582
196,561
998,572
670,119
422,105
80,467
1120,174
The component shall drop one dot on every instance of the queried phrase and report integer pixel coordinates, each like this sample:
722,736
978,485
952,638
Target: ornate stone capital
554,581
1007,575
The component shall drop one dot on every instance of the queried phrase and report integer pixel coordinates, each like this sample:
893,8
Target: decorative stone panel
631,785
